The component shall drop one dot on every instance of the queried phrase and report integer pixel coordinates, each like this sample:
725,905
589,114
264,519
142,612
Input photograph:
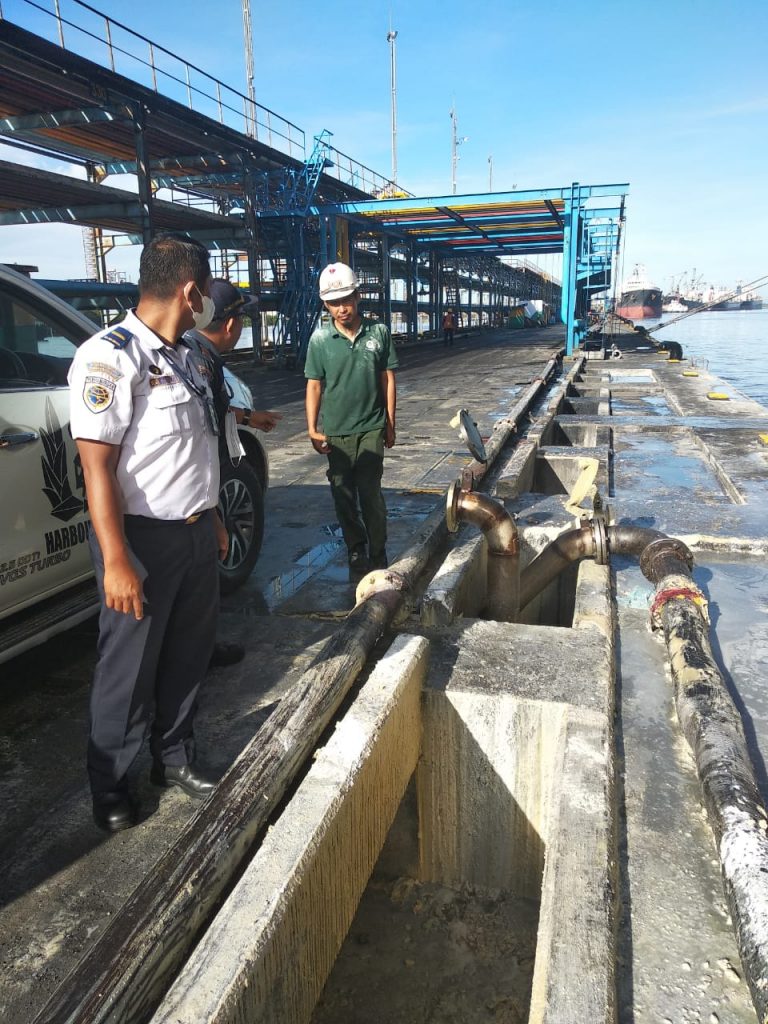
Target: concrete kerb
267,954
459,585
575,971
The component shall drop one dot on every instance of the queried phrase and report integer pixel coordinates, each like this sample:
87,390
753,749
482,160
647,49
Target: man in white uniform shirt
142,414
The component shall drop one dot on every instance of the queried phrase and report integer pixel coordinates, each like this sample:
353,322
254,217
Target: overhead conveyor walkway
468,233
202,157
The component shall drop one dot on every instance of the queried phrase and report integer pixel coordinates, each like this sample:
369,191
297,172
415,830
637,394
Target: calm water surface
734,346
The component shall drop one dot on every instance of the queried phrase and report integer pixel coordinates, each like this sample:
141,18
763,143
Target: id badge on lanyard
210,415
202,392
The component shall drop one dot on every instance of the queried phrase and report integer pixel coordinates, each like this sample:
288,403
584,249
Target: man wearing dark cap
221,336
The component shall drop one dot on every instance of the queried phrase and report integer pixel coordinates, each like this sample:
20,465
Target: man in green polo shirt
350,371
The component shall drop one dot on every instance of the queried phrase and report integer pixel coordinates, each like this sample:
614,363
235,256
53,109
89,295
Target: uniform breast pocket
171,411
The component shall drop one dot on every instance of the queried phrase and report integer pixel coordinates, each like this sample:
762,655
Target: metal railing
351,172
97,36
520,263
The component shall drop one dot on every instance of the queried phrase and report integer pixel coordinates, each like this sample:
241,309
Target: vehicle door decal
65,505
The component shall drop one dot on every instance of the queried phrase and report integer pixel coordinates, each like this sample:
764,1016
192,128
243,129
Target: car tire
241,505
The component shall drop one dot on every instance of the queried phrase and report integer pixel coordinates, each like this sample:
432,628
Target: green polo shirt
353,398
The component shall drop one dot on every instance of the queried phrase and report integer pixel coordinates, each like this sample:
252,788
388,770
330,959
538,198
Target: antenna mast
391,37
455,143
250,120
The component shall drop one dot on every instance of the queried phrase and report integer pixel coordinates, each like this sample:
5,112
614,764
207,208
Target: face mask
204,317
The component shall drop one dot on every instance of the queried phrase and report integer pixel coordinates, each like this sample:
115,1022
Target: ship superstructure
640,297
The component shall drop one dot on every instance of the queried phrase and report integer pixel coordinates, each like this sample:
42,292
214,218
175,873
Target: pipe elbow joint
665,556
487,514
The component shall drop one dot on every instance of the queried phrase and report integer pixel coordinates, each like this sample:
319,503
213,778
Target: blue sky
670,97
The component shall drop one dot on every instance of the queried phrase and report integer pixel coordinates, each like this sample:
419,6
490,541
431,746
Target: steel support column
324,245
386,282
572,231
411,289
143,175
435,302
252,251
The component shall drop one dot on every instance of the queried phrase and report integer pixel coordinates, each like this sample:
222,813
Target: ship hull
733,305
643,304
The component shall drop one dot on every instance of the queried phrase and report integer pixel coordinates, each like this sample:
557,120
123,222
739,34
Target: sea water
732,345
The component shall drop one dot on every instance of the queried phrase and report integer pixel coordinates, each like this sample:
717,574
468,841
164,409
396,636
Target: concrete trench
478,756
476,767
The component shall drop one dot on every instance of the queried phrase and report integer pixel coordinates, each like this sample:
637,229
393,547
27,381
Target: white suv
46,579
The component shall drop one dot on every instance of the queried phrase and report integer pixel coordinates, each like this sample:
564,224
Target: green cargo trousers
355,468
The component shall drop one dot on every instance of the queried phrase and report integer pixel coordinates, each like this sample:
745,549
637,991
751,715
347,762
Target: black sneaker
226,654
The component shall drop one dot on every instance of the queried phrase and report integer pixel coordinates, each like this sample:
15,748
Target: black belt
169,522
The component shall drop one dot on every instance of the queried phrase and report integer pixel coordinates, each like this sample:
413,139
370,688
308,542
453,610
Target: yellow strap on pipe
583,488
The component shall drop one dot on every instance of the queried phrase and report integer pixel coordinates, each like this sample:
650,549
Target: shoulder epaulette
118,337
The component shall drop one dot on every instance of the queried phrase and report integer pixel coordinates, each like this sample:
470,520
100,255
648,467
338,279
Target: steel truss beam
60,118
497,198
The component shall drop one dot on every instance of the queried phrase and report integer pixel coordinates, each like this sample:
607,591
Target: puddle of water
303,569
665,468
656,403
738,609
405,512
676,915
319,558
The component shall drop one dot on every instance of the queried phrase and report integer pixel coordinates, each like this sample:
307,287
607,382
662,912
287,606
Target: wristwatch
247,418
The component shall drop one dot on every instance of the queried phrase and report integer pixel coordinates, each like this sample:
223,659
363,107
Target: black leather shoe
114,811
226,654
358,563
185,777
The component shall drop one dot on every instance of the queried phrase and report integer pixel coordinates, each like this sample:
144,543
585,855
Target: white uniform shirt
133,397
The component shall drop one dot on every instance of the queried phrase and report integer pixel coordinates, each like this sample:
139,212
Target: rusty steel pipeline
709,719
500,532
595,540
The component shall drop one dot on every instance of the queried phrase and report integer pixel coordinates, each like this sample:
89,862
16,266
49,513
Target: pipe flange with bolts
600,538
452,499
659,557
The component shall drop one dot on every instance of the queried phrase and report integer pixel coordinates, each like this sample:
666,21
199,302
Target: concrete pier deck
550,765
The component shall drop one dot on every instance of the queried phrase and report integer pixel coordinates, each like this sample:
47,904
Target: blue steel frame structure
583,222
237,192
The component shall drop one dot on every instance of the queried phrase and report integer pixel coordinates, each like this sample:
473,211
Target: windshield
36,344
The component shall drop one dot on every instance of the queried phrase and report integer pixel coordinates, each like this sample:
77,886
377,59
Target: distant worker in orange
449,325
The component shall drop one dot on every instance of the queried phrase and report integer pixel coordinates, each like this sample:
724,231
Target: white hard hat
337,281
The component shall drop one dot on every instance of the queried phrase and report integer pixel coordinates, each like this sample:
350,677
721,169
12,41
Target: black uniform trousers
151,671
355,469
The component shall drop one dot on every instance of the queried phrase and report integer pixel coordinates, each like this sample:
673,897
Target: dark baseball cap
230,301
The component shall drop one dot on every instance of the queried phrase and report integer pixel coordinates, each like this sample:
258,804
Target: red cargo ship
640,298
